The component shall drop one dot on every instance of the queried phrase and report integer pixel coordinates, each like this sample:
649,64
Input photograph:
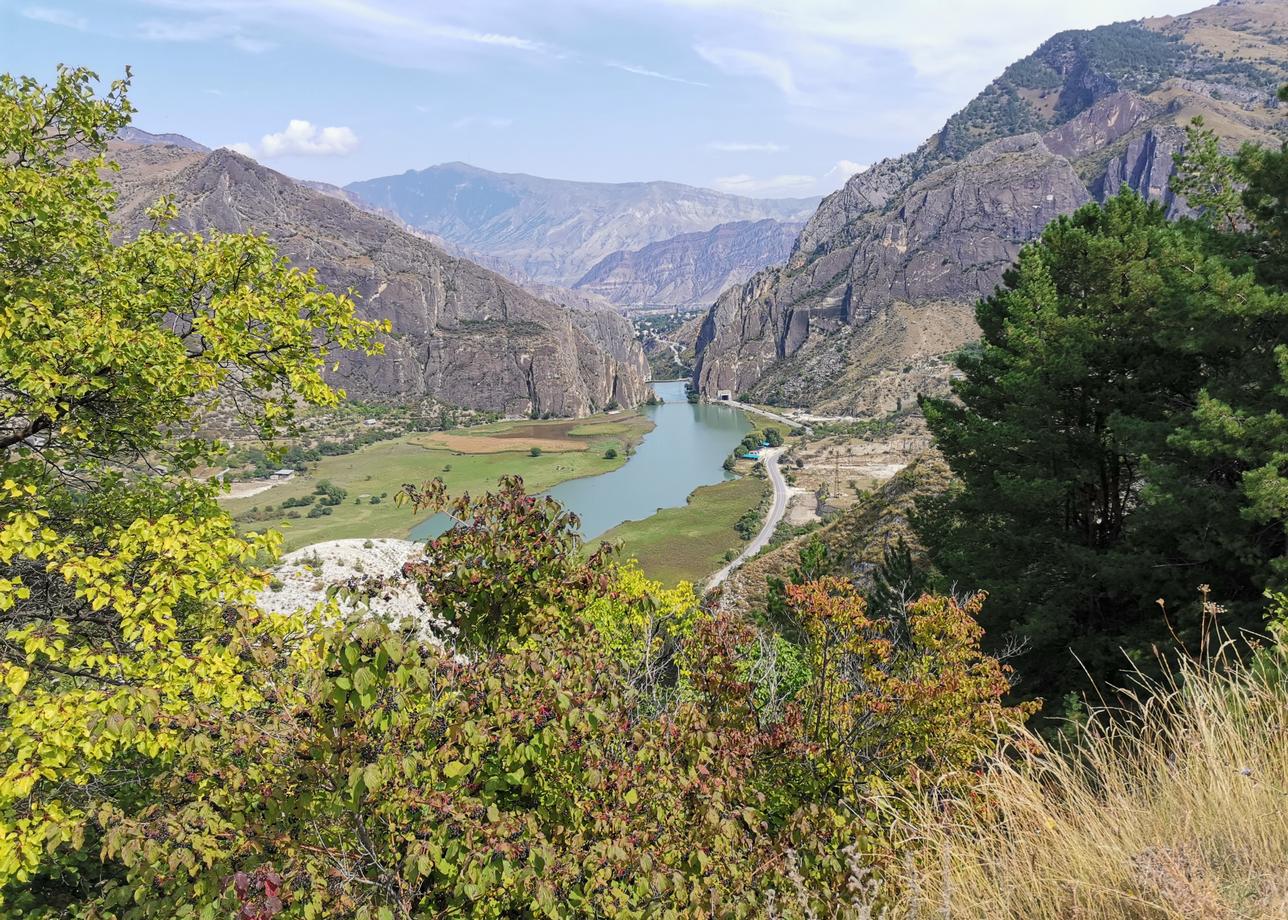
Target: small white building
283,476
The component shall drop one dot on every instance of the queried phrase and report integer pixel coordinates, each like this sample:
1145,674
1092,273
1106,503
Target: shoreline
377,471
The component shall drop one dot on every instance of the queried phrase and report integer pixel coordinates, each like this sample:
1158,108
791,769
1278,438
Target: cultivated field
468,461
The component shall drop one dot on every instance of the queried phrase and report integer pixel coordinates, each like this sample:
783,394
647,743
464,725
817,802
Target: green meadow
689,543
473,462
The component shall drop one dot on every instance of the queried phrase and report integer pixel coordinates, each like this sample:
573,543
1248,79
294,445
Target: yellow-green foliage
124,598
898,699
641,617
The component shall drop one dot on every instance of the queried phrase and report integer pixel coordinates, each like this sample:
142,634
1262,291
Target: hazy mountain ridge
691,269
461,334
556,230
132,135
932,227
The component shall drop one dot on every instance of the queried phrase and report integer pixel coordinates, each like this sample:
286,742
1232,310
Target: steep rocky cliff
553,230
461,334
947,237
691,269
901,247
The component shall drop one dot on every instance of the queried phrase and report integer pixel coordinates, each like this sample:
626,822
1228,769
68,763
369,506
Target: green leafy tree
508,556
123,589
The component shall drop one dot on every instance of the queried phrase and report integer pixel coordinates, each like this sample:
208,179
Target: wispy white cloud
787,184
383,19
253,45
741,147
846,168
387,21
655,74
183,30
302,138
745,62
212,28
56,17
383,25
481,121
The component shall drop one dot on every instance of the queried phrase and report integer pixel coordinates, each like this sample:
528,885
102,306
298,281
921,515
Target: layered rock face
870,190
462,335
949,236
1086,115
1146,166
691,269
553,230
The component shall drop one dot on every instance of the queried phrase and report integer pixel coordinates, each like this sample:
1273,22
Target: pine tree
1082,502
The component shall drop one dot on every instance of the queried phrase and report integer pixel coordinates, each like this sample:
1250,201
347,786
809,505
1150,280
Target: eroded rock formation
462,335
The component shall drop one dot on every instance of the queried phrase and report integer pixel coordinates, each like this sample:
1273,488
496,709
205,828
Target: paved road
776,511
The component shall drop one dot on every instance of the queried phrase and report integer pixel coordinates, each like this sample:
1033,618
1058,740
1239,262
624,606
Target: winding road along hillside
776,511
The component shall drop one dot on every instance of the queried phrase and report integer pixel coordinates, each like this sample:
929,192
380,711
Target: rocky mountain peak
556,230
462,335
132,135
918,236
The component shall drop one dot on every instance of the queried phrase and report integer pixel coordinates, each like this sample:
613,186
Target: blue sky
760,97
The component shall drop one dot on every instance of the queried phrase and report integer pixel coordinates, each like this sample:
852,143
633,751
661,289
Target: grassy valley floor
689,543
468,460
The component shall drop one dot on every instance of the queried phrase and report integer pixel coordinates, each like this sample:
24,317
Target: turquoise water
686,449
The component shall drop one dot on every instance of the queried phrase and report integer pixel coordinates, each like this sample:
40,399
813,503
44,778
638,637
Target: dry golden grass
1175,808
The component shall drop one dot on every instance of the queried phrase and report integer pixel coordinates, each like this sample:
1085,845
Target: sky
768,98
